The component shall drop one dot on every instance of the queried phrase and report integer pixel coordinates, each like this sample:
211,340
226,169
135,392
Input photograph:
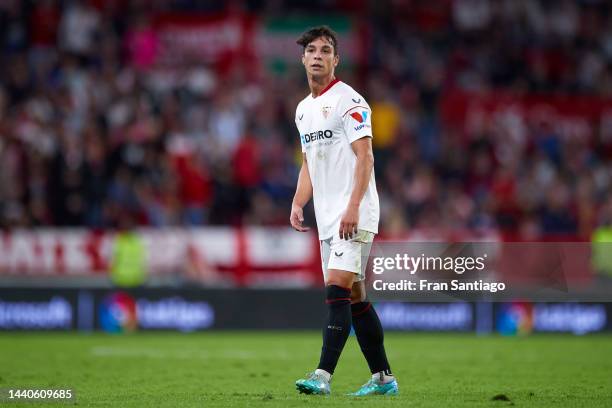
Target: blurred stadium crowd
92,134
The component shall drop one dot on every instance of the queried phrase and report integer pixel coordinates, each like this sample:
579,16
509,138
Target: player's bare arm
303,194
363,170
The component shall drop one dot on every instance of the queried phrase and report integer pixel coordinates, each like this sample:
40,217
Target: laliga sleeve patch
360,116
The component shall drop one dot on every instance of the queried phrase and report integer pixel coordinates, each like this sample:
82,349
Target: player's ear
303,59
336,60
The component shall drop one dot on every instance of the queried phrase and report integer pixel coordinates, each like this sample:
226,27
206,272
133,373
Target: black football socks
370,336
338,327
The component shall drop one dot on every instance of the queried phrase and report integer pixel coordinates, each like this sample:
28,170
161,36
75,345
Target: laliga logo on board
515,318
117,313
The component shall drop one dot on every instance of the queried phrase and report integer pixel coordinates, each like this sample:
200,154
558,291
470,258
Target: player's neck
318,85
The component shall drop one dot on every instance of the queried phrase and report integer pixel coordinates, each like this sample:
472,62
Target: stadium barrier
189,310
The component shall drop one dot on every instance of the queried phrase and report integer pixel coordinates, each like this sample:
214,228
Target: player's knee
358,293
337,295
340,280
357,296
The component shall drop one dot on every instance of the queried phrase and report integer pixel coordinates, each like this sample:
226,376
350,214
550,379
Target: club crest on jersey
325,110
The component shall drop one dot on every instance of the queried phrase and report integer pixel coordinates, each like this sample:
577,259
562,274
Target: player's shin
370,336
337,328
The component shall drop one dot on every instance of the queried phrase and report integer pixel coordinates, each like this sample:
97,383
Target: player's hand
297,218
349,222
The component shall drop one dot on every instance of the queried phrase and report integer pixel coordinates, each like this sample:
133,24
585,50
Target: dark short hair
321,31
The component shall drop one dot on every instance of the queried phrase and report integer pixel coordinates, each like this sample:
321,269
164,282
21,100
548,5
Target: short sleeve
297,121
356,117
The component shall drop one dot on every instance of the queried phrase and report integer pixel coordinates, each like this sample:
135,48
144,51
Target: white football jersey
328,124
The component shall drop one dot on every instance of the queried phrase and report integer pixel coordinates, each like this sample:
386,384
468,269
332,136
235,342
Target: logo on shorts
339,254
356,100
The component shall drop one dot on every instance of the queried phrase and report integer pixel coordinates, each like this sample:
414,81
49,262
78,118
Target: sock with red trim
370,336
337,328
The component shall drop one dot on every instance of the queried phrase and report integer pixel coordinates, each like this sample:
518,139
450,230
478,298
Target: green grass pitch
258,369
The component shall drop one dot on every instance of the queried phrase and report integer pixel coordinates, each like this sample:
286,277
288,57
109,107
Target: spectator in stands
91,123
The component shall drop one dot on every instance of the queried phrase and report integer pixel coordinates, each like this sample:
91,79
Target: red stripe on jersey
354,107
332,83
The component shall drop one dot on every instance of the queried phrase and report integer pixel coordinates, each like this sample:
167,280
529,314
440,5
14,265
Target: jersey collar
332,83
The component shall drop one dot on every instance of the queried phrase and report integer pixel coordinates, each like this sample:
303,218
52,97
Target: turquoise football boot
375,387
314,384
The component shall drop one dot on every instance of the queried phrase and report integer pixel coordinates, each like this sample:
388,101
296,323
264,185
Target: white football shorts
347,255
